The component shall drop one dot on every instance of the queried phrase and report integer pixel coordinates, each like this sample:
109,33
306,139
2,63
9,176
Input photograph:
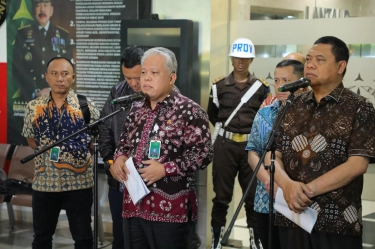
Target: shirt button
43,49
42,75
43,62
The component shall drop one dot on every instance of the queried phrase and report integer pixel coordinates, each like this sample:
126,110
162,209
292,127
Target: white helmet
242,48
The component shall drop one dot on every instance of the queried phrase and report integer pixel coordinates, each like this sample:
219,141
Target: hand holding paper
135,185
306,220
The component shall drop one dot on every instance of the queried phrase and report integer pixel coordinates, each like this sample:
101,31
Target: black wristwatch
107,164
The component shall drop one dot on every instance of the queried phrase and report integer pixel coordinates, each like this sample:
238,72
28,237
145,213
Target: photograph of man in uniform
34,46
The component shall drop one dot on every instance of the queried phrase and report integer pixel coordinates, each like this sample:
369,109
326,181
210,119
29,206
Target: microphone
294,86
128,98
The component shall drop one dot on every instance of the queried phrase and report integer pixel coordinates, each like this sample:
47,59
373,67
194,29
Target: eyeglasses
56,74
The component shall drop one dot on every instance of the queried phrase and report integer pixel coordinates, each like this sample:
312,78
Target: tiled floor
22,235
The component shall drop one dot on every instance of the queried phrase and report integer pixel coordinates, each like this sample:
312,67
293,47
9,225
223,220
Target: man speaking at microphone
325,145
122,95
111,129
168,138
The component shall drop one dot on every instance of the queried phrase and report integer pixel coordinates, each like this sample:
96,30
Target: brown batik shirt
317,137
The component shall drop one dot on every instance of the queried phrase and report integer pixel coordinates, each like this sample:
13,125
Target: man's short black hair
298,67
59,58
131,56
339,48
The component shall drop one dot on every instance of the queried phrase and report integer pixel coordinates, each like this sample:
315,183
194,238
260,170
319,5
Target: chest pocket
226,100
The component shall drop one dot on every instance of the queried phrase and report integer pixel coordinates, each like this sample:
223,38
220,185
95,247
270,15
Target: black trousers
115,198
46,210
230,158
140,233
263,231
297,238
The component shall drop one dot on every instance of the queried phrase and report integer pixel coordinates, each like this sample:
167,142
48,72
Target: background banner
87,32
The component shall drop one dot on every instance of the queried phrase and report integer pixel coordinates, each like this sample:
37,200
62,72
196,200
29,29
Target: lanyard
55,129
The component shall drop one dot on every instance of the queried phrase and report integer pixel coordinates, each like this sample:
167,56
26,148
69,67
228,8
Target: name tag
154,151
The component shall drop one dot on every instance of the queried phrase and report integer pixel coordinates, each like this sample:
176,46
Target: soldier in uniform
34,46
232,127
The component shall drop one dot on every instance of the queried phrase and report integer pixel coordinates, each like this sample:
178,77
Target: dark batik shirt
183,129
317,137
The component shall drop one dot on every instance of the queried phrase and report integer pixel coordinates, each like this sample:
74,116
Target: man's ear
173,78
342,66
74,77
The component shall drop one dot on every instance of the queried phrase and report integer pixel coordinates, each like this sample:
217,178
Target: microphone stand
93,130
267,147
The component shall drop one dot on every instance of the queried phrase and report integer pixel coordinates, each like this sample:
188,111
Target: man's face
43,12
241,65
283,76
156,81
132,77
60,76
321,67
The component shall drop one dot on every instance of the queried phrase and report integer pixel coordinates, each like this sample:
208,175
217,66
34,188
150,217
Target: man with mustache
34,46
325,145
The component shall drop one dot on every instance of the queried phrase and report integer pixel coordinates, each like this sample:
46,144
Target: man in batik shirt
63,175
325,145
178,129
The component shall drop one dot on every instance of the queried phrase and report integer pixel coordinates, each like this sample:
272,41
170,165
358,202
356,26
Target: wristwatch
107,164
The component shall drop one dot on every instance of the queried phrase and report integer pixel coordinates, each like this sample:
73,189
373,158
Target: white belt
236,137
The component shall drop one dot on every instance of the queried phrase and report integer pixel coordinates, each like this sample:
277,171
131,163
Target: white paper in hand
135,185
305,220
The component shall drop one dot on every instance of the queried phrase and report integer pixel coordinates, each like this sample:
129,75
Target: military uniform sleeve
212,110
267,92
21,76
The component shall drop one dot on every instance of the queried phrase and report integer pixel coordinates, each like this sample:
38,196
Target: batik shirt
317,137
260,131
73,170
182,128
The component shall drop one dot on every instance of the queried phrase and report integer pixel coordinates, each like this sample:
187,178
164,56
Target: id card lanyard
55,152
55,129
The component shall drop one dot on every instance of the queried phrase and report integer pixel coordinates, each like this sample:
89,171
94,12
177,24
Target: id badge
54,154
154,152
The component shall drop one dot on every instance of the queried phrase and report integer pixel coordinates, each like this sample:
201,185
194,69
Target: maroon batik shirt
317,137
183,129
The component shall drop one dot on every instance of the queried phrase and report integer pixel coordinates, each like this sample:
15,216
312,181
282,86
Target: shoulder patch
62,29
27,26
217,79
264,82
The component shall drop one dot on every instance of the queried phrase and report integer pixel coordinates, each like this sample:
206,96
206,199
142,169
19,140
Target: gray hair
170,58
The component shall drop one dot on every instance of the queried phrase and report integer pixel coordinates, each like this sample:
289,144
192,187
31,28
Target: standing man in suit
34,46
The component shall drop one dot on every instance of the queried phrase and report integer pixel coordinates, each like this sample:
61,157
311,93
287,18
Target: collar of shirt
335,94
70,99
45,27
169,100
231,81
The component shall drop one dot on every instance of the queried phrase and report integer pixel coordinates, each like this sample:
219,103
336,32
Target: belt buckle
236,137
